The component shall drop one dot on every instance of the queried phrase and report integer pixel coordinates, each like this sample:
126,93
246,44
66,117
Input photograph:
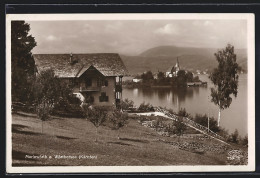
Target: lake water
197,100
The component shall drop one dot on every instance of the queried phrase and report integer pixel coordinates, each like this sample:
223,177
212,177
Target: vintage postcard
126,93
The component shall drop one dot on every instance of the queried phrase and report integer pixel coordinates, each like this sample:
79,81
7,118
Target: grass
138,146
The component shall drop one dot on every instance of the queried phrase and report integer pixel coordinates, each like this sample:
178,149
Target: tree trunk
42,126
96,134
219,115
118,134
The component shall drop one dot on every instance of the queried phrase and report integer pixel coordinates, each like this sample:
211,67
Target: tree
224,78
161,76
181,79
23,65
48,90
119,120
97,115
180,127
234,137
189,76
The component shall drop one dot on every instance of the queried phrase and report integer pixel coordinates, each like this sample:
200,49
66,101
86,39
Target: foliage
196,79
147,76
23,65
43,110
145,107
119,120
157,123
181,79
244,141
126,104
48,91
234,137
224,78
180,127
182,112
68,108
170,128
203,120
97,115
189,77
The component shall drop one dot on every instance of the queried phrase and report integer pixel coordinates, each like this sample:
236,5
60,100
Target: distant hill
162,57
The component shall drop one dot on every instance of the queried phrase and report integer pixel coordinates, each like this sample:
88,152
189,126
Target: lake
197,100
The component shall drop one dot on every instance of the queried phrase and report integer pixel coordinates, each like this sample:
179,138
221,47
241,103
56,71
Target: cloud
168,29
51,38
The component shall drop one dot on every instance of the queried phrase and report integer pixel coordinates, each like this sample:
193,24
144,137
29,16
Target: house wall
109,90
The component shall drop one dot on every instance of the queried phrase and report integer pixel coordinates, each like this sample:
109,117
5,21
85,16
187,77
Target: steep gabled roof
109,64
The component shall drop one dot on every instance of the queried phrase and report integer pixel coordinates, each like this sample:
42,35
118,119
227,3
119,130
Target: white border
138,16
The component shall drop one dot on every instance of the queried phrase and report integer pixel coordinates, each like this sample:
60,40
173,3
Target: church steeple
177,66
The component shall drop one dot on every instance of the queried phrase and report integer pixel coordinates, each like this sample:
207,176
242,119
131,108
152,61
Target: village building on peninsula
96,77
173,71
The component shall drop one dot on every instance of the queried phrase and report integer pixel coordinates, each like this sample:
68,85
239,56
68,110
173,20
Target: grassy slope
138,145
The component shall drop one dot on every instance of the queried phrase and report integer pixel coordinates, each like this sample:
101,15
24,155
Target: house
97,77
173,71
137,80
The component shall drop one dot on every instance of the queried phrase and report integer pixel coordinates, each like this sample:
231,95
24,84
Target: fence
190,122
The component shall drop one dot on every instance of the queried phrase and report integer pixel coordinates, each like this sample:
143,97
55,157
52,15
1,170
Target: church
173,71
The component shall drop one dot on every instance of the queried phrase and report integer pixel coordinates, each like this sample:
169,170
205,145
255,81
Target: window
106,83
102,82
103,97
88,82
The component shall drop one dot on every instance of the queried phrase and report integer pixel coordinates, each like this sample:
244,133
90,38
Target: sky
133,37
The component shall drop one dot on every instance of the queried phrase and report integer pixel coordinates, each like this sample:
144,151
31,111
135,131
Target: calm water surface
196,100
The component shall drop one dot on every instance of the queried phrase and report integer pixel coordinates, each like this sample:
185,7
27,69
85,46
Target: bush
66,109
126,104
158,123
72,99
180,126
203,120
234,137
244,141
171,129
146,107
182,112
43,111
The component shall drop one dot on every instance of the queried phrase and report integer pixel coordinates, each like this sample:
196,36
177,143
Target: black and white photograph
130,93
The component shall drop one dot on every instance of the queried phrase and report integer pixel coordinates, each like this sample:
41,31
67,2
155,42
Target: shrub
68,108
146,107
126,104
182,112
203,120
119,120
180,126
157,123
171,129
72,99
244,141
234,137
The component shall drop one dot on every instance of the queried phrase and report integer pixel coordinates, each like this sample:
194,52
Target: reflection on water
196,100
